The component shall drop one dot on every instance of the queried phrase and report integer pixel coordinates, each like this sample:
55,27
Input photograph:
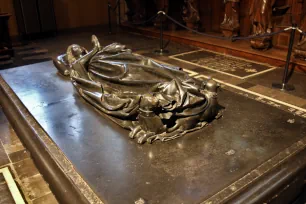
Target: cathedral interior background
152,101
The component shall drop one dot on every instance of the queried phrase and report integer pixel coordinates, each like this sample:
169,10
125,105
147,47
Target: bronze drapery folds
153,100
261,19
300,48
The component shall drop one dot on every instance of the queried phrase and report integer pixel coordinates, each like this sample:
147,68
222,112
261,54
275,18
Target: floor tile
35,187
2,179
2,117
246,85
282,96
32,183
228,79
296,78
47,199
5,195
9,139
4,160
263,90
25,168
192,67
19,155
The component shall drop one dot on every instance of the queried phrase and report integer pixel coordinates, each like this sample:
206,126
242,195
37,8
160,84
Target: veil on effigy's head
75,52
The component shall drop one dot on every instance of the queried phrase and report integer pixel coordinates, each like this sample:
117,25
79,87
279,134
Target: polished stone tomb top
229,159
153,100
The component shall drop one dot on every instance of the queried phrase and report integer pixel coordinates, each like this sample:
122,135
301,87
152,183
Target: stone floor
14,155
28,53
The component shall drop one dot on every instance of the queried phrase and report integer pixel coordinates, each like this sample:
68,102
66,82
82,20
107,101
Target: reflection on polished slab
202,165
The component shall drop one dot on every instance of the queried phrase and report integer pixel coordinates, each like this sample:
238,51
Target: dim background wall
7,6
68,13
80,13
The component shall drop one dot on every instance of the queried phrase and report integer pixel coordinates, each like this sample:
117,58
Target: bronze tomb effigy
153,100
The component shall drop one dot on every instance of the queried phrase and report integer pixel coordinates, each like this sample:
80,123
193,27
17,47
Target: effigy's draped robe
126,77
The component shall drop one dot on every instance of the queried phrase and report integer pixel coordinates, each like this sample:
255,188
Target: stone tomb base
85,156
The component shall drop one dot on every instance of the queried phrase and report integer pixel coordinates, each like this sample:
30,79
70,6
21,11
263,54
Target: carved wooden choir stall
230,25
228,17
300,50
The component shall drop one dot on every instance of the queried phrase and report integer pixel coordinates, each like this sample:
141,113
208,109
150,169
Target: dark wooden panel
205,10
7,7
18,16
175,9
46,14
211,15
29,16
217,14
245,23
76,13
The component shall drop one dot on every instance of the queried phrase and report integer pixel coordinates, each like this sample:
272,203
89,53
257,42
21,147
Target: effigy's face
77,51
154,101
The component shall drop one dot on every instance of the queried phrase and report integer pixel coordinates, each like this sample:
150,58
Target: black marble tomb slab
185,170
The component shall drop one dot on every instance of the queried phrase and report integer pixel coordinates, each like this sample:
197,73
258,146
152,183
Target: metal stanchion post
284,86
161,50
119,12
109,18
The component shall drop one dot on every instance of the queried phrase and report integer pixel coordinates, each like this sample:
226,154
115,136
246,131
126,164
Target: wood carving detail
230,25
261,19
300,49
191,14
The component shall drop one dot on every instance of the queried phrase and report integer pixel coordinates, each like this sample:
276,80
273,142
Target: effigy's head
78,51
75,52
